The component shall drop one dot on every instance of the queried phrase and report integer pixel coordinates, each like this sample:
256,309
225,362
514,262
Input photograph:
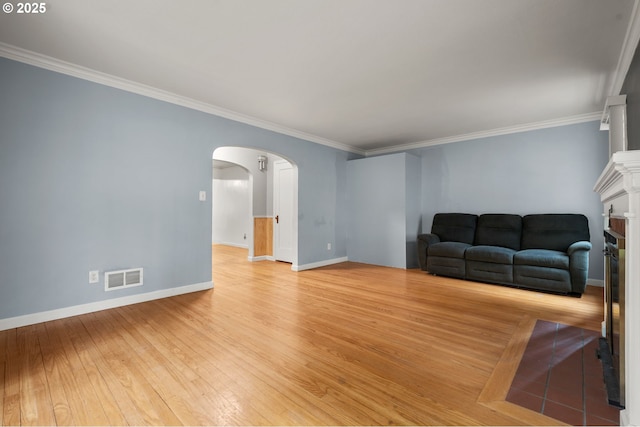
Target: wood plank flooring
349,344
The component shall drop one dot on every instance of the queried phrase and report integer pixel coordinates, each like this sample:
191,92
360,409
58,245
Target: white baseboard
595,282
624,418
46,316
261,258
324,263
235,245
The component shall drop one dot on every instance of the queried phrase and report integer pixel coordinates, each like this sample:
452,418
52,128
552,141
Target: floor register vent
122,279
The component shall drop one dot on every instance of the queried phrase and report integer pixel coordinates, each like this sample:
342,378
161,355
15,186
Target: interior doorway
270,231
283,233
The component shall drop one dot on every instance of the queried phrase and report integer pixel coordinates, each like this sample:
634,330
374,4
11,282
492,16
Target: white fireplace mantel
619,189
622,175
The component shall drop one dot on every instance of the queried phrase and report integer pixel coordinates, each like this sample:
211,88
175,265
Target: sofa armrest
579,265
428,238
424,241
579,246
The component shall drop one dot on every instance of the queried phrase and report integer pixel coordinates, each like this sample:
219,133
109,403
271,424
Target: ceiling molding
631,39
582,118
46,62
63,67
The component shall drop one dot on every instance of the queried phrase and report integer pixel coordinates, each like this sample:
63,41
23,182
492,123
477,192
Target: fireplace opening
611,351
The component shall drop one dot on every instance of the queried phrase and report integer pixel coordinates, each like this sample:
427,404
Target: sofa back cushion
455,227
553,231
503,230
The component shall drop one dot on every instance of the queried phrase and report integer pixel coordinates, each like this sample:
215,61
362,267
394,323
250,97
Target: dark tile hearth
560,376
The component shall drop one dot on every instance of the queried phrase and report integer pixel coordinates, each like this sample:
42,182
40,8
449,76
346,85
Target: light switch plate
202,196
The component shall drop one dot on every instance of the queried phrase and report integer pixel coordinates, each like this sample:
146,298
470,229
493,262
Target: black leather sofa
548,252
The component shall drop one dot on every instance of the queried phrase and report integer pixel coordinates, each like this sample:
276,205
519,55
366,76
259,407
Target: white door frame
292,255
250,166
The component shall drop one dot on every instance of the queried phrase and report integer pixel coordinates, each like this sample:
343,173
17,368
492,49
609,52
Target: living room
99,174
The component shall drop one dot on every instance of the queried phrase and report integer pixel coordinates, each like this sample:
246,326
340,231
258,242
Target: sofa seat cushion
542,258
494,254
448,249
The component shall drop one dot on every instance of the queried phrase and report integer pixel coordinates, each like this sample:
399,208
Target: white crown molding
67,68
63,67
631,39
582,118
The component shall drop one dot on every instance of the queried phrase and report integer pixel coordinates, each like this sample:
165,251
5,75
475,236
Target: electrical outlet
328,246
94,276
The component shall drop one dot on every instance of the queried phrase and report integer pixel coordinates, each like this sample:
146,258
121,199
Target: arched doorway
266,188
231,204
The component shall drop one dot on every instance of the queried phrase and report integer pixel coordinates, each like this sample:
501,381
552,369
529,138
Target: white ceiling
362,74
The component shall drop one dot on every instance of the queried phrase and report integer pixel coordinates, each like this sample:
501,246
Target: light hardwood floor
349,344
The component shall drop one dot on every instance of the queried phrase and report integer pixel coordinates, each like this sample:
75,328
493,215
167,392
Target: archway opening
255,203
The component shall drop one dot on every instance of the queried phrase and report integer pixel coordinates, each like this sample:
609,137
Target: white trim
582,118
59,66
628,50
318,264
284,254
295,225
595,282
624,418
235,245
76,310
620,181
261,258
606,112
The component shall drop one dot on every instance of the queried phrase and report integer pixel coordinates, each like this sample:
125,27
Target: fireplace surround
619,190
612,345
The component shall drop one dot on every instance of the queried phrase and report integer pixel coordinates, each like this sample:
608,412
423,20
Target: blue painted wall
95,178
384,210
377,210
544,171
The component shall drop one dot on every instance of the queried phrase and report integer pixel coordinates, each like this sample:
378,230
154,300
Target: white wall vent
122,279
